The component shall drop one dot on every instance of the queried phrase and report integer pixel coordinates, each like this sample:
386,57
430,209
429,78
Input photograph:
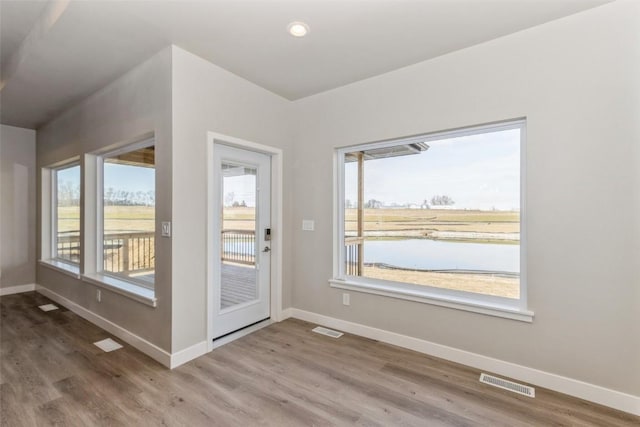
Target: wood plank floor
238,284
282,375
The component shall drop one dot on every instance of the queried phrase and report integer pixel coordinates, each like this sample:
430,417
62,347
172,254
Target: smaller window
66,243
127,214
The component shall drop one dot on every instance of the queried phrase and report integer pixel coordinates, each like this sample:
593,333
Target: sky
69,175
129,178
133,179
240,189
477,172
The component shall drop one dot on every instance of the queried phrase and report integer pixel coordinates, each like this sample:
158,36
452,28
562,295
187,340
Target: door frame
276,314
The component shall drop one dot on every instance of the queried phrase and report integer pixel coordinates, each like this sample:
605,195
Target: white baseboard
286,313
183,356
130,338
17,289
593,393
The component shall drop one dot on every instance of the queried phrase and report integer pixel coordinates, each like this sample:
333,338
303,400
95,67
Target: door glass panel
239,278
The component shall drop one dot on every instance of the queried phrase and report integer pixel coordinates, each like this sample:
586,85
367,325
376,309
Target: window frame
106,277
54,213
48,219
469,301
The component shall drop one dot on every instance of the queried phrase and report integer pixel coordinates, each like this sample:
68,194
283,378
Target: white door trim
276,223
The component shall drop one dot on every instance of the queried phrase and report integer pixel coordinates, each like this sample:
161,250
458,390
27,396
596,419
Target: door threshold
234,335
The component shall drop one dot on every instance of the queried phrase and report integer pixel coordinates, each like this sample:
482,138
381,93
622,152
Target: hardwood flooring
282,375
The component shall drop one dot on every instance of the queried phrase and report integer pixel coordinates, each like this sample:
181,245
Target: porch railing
354,256
135,252
68,246
239,246
123,252
129,252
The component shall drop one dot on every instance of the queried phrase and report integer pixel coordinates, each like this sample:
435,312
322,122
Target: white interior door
241,235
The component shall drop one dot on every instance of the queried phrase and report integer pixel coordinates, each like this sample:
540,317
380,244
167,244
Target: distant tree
442,201
348,204
108,196
121,197
228,198
373,204
68,194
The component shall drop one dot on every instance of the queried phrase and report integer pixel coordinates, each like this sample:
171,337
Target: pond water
438,255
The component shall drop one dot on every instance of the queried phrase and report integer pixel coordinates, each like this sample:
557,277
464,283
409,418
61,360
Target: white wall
18,206
136,104
208,98
576,80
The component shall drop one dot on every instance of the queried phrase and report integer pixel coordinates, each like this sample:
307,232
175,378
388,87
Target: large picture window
128,214
434,216
65,240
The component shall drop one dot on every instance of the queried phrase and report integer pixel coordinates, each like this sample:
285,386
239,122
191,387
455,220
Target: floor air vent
328,332
508,385
107,345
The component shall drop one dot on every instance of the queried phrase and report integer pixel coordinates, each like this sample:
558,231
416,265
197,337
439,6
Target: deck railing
129,252
69,246
123,252
135,252
239,246
354,256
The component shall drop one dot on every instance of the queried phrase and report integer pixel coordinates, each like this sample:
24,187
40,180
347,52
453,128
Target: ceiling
54,53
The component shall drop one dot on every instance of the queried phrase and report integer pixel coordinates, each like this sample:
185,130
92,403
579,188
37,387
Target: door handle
266,249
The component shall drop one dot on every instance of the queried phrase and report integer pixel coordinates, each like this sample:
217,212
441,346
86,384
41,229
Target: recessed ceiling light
298,29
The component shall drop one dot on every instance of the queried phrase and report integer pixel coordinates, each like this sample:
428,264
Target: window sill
62,267
122,287
439,300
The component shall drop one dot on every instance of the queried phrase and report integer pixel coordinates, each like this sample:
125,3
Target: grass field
239,218
438,224
508,287
378,222
116,219
141,218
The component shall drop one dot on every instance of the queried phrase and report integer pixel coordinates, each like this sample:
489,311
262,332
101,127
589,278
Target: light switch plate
308,224
166,229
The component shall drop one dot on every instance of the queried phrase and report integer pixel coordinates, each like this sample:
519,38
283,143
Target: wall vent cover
328,332
508,385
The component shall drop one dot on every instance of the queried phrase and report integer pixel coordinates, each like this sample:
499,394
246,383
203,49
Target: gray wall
208,98
134,105
179,97
17,206
576,81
